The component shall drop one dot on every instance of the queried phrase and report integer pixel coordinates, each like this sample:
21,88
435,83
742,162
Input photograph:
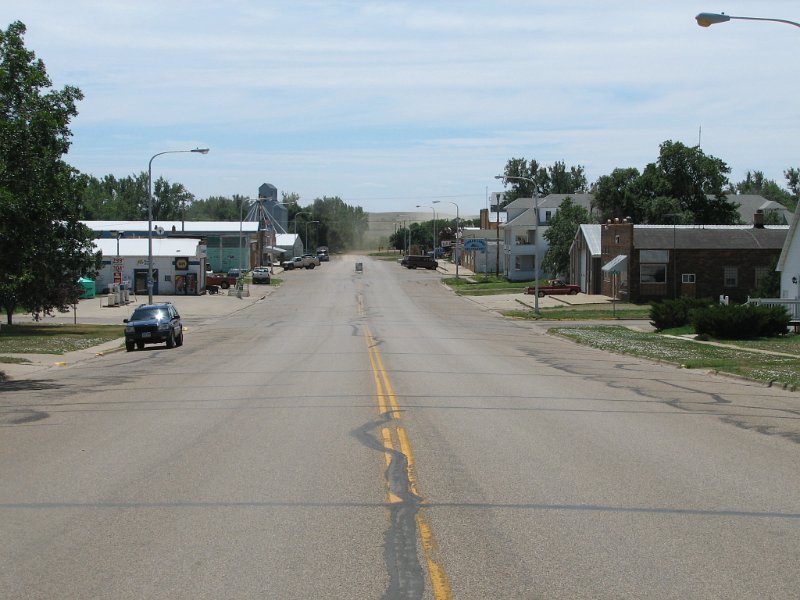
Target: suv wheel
129,346
179,340
140,345
171,340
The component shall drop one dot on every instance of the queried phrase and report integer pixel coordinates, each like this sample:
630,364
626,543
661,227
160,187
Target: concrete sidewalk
518,300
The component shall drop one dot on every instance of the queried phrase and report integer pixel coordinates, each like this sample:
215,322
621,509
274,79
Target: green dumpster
89,290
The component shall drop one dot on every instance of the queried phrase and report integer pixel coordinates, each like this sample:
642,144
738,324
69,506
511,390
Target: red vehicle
556,286
222,281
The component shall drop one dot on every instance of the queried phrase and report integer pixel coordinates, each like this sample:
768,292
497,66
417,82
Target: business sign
477,245
181,263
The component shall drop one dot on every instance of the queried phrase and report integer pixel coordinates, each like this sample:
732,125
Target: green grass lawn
734,358
484,285
38,338
585,312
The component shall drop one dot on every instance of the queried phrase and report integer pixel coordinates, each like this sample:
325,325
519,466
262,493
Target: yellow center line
440,584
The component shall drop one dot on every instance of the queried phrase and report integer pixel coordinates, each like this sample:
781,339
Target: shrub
670,313
740,322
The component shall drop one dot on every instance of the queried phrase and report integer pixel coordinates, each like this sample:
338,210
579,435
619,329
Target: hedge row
731,322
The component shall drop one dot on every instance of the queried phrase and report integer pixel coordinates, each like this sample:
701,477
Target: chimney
758,219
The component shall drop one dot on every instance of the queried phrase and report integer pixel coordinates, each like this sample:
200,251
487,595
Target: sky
395,104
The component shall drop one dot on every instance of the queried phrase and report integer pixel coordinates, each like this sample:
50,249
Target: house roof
139,246
592,234
709,237
750,203
204,227
523,219
285,239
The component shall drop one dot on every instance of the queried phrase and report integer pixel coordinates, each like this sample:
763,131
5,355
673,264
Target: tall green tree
530,170
112,199
618,195
541,180
566,181
213,208
792,176
697,182
44,248
560,234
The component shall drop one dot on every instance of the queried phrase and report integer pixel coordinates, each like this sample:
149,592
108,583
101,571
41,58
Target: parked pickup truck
555,286
298,262
222,280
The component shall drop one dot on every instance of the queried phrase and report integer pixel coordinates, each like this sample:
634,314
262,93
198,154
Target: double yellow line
389,408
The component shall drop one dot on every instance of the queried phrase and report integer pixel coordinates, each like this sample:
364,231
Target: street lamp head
708,19
499,176
200,150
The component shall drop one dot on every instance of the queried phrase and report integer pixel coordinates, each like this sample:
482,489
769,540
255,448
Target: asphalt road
374,436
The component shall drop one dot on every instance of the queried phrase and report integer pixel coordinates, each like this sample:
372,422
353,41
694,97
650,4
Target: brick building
651,262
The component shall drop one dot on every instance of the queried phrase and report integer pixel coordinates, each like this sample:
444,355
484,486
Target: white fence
791,306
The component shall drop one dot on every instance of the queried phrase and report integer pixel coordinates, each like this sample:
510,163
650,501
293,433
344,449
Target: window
653,273
687,278
654,256
523,263
761,274
731,276
526,239
547,215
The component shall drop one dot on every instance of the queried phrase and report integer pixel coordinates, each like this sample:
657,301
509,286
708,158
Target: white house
523,233
789,261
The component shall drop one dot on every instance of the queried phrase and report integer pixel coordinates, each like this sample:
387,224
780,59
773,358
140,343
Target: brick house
651,262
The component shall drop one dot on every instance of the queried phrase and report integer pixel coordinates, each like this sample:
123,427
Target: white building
789,261
179,265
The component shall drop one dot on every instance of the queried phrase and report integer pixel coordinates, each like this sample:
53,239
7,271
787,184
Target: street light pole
708,19
458,221
434,225
241,218
307,223
150,215
505,178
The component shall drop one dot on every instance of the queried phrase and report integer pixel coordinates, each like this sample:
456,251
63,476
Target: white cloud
343,96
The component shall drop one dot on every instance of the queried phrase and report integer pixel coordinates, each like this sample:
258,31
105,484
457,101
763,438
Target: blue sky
393,104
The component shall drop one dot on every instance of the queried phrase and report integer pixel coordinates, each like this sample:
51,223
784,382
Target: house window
523,262
547,215
653,273
522,240
687,278
731,276
761,274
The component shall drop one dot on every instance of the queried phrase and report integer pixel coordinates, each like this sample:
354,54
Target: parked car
153,324
311,261
556,286
422,262
299,262
323,256
261,275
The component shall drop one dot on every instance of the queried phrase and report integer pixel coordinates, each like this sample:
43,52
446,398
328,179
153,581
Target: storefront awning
615,264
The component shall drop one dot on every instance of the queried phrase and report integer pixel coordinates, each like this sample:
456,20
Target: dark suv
421,262
153,324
